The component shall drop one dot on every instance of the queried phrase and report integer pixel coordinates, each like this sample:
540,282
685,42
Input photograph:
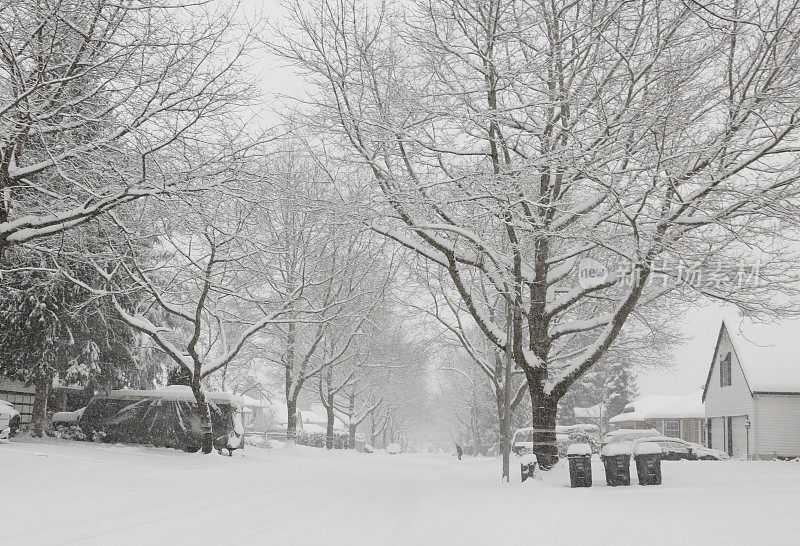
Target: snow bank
579,450
646,448
619,448
105,494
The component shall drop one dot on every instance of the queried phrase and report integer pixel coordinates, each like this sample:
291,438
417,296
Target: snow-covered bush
69,432
317,439
311,439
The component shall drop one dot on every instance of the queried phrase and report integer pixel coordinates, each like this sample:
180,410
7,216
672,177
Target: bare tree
93,94
449,311
209,283
522,141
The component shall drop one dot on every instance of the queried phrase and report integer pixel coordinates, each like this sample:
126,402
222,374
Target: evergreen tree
51,327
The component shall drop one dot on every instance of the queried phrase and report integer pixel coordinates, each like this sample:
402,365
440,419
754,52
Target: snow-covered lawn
83,493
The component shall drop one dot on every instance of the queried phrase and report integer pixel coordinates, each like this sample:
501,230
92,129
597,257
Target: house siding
734,399
778,432
688,427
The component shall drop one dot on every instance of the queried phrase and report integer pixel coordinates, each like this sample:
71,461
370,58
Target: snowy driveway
76,493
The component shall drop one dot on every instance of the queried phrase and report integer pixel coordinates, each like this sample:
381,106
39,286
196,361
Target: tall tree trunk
544,425
329,429
504,401
477,433
61,400
372,429
291,419
206,434
351,408
39,417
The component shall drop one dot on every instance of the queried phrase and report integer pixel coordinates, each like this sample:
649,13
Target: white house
752,392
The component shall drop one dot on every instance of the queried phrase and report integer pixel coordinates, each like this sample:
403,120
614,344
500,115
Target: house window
725,371
700,431
672,428
708,433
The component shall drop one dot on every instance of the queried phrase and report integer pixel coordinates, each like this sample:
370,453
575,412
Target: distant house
674,416
315,419
752,392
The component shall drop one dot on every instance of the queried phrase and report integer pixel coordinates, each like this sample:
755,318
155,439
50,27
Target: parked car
9,420
393,449
675,449
522,441
629,436
165,417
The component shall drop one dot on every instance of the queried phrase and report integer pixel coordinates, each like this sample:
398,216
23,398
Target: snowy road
76,493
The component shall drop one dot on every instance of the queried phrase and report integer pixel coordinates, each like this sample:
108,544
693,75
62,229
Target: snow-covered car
675,449
629,436
9,420
707,454
393,449
522,441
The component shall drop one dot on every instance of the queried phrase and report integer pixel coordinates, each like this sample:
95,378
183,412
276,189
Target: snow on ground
83,493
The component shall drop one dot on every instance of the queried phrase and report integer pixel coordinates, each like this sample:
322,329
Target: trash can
580,465
648,462
616,459
528,466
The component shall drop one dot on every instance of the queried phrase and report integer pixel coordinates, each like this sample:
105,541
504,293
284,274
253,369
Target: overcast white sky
690,360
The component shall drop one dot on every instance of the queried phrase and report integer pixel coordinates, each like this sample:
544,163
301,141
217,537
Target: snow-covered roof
769,354
255,403
659,406
318,415
312,428
174,392
592,412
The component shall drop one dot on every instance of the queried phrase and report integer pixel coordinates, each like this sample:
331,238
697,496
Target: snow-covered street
84,493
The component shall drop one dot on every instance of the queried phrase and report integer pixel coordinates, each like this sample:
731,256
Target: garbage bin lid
528,458
646,448
617,448
579,450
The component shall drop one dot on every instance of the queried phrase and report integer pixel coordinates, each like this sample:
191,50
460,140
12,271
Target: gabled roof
686,406
769,355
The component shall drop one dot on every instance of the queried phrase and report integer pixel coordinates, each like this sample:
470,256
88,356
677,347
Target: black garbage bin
617,463
580,465
528,466
648,463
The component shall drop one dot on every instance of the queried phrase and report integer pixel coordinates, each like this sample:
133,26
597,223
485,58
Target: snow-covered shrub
311,439
317,439
69,432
